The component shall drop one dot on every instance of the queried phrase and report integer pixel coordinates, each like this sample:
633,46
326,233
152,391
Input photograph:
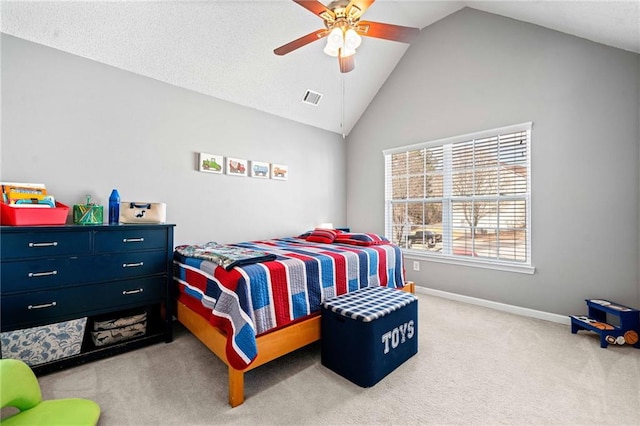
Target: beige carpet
474,366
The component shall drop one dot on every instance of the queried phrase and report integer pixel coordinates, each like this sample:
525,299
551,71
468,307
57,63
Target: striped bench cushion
370,303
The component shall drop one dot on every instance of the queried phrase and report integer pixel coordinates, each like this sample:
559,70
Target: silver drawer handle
133,240
136,291
45,305
42,274
132,265
51,244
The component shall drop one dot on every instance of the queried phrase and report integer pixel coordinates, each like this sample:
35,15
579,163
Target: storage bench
368,333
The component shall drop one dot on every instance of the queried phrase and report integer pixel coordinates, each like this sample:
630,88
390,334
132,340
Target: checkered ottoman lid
370,303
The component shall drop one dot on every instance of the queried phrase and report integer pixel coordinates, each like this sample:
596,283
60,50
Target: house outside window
464,199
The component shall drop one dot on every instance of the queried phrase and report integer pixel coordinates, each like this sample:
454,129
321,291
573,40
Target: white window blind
466,197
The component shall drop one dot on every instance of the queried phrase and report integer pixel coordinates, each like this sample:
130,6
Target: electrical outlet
416,265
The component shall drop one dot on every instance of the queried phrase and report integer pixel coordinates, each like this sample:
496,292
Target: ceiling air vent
312,98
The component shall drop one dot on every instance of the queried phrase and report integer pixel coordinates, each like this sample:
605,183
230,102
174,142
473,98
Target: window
465,198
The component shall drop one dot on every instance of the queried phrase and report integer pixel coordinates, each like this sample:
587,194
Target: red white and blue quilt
252,299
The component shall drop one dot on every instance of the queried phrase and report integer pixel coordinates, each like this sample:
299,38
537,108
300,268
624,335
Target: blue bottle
114,207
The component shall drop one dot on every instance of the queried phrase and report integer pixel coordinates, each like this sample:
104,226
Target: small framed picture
211,163
260,169
279,171
236,166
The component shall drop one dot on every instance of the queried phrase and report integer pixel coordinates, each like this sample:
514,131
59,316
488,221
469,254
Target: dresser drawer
129,265
39,274
128,293
45,307
35,275
130,239
44,244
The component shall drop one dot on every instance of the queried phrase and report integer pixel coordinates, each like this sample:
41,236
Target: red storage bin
25,216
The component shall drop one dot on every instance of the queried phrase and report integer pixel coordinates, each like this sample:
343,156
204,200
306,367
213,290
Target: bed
252,302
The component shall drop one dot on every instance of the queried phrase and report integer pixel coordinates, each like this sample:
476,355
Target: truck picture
236,167
260,170
278,172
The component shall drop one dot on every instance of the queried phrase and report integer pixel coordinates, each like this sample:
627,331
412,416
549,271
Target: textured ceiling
225,48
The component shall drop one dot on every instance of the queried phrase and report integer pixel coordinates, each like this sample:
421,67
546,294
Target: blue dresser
59,274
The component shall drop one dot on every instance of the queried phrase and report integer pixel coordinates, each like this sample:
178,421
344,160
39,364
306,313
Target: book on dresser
72,293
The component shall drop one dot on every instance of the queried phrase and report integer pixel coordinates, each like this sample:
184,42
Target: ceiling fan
343,29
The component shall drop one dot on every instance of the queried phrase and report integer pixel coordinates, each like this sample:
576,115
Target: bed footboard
270,346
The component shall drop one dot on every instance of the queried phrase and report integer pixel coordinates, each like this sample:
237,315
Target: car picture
211,164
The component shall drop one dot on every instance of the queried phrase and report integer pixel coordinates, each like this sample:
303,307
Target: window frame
525,267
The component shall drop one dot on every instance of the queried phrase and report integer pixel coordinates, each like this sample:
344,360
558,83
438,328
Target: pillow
320,235
360,239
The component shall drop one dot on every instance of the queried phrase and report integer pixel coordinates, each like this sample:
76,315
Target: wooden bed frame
270,346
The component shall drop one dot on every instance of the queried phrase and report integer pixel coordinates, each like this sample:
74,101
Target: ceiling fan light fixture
335,42
352,40
342,43
331,51
344,52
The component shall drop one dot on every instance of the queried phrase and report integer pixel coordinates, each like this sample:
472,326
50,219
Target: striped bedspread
249,300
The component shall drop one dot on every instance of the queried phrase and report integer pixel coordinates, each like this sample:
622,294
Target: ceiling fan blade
347,63
356,8
302,41
387,31
317,8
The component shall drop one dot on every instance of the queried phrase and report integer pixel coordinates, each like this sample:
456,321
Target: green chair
19,388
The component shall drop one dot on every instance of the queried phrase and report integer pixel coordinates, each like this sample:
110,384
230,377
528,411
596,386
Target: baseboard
518,310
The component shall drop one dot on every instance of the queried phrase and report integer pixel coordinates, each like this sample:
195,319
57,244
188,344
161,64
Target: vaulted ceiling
225,48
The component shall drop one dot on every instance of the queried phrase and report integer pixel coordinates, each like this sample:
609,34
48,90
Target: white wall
82,127
474,71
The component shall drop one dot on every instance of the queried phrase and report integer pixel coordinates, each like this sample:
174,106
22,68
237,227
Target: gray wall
474,71
82,127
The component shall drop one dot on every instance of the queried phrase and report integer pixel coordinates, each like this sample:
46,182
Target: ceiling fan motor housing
343,16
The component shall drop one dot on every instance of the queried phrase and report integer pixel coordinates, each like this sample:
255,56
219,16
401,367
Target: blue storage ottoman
368,333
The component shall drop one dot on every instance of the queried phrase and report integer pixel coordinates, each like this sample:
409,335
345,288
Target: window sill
475,263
